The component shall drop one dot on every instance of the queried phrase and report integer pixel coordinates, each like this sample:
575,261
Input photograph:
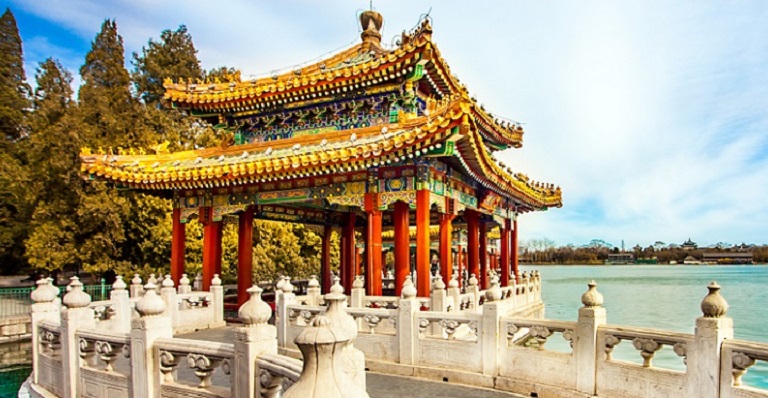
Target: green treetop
14,90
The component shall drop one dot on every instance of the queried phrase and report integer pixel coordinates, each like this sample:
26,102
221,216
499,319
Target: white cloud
650,115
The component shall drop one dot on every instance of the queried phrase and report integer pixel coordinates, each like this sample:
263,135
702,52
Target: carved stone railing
737,358
278,373
105,367
449,326
371,321
647,342
48,362
202,359
534,333
388,302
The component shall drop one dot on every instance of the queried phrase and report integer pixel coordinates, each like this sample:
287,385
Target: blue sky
652,116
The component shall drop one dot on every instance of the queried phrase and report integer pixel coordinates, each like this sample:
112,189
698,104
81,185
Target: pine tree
173,57
14,90
105,97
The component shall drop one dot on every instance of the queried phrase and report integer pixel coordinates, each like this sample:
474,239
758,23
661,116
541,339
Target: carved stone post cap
198,277
136,280
473,280
280,283
119,283
76,297
167,281
336,292
322,332
439,284
216,281
184,281
494,292
358,283
313,282
408,291
150,304
152,279
454,282
255,311
42,294
714,305
592,298
287,285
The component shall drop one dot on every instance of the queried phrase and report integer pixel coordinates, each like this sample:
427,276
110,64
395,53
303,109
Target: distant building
691,260
728,258
620,258
689,245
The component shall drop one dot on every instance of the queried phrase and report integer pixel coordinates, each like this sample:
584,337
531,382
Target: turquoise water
663,297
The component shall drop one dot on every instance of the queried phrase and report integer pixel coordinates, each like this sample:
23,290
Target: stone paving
381,385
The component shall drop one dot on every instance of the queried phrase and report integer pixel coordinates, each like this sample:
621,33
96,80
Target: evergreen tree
173,57
105,98
14,90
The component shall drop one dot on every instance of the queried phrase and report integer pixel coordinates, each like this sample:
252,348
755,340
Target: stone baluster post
218,302
524,283
538,286
168,294
77,316
184,286
407,327
121,305
197,285
150,326
137,290
454,292
313,291
439,303
492,311
326,346
704,355
285,297
585,345
474,290
45,308
358,292
254,338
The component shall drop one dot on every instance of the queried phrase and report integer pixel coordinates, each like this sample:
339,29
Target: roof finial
371,22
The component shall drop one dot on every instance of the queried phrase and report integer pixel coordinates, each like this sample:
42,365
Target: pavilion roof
326,153
364,65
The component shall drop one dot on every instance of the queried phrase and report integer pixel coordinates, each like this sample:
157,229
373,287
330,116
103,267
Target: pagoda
372,139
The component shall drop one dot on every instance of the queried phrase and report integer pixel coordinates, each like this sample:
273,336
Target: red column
483,252
373,252
446,255
178,240
244,254
402,243
514,255
505,253
473,241
325,260
211,249
349,254
422,243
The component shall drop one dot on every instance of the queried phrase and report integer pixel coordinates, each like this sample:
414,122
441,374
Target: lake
656,296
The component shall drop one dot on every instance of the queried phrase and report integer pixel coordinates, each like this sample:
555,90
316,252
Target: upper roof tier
364,70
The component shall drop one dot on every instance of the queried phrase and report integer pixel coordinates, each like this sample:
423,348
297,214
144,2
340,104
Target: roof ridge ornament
371,22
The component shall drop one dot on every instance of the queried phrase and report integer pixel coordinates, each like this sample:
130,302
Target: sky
652,116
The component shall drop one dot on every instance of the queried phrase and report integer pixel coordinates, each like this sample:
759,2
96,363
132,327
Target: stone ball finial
454,282
714,305
313,282
288,286
42,294
167,282
439,284
136,280
494,292
216,281
336,287
408,291
76,297
280,283
592,298
473,280
54,290
150,304
184,281
358,283
152,279
255,311
119,283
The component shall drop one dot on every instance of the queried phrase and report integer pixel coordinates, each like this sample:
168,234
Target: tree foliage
14,90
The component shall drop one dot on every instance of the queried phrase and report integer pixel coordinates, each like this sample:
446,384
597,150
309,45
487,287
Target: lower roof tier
447,140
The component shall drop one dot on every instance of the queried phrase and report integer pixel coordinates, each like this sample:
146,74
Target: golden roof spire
371,22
